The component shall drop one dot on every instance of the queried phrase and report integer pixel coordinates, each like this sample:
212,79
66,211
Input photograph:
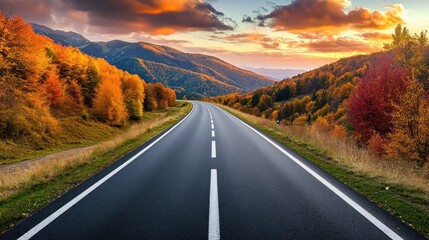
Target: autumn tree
22,53
265,102
133,90
171,99
371,105
73,102
92,79
23,109
409,50
410,136
53,89
109,101
150,102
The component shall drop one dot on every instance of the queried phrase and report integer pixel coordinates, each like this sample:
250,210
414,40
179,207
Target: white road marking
213,133
75,200
389,232
211,121
214,229
212,126
211,116
213,149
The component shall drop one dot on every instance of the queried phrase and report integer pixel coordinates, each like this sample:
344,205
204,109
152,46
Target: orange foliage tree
53,90
23,110
109,101
410,136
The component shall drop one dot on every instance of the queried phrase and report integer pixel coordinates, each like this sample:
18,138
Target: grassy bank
22,192
75,132
399,187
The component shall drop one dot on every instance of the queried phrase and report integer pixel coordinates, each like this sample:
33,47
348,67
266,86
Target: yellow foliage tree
109,101
133,91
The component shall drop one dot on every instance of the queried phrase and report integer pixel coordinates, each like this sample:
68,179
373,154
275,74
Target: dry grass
346,153
43,171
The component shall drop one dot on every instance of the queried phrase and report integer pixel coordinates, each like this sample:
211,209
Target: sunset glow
287,34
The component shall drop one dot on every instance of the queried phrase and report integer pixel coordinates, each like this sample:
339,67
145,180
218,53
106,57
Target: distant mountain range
276,73
60,37
191,75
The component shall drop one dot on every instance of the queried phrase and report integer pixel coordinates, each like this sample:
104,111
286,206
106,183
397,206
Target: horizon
300,34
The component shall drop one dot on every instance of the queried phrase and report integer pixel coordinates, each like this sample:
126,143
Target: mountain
61,37
191,75
276,73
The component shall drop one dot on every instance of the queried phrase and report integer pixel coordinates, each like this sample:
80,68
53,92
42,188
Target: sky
293,34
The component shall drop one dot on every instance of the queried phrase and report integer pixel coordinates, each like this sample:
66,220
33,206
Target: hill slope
193,75
321,92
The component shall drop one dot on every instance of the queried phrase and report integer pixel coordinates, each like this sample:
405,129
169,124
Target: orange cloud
329,16
160,6
341,44
376,36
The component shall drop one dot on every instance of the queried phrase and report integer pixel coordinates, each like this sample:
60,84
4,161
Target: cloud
341,44
151,16
158,17
247,19
264,40
53,13
38,10
274,45
376,36
329,16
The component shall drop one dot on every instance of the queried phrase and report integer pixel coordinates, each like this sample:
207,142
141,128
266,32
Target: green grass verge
33,197
409,205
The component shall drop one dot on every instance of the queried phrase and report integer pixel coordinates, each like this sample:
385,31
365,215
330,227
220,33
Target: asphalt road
210,177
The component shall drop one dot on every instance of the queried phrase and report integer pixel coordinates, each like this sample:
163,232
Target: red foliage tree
371,105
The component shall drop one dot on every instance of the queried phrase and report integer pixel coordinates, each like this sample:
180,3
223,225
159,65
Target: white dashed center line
213,149
214,229
213,134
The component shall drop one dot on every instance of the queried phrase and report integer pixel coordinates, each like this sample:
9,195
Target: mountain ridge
61,37
205,75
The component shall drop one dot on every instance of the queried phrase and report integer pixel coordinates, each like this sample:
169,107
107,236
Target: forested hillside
380,100
191,75
42,82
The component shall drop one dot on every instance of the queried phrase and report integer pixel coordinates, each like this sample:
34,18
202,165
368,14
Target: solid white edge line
386,230
213,133
75,200
214,228
213,149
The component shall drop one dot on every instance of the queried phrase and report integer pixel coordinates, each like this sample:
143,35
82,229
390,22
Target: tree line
41,82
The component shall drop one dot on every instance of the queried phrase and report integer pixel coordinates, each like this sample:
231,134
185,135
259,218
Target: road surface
211,177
